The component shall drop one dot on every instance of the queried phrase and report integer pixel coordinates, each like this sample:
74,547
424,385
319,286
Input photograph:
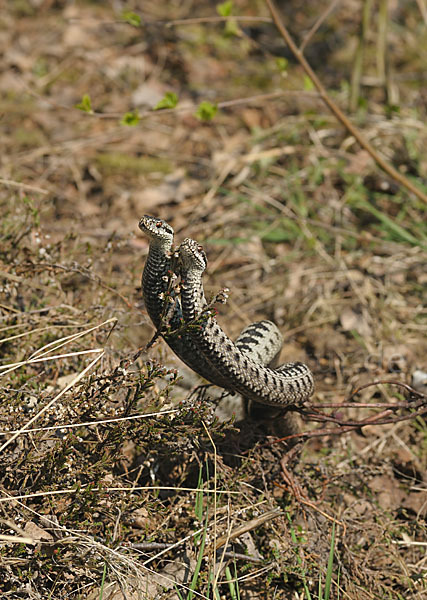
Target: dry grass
113,475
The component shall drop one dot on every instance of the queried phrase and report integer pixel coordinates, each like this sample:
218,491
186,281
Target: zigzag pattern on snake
261,341
290,385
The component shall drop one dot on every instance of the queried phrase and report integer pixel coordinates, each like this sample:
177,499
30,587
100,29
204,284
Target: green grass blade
104,574
196,573
231,584
198,508
391,226
178,592
330,565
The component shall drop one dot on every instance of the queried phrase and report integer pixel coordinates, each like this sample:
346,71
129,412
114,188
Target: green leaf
224,9
131,18
231,28
85,105
130,119
308,84
282,63
169,100
206,111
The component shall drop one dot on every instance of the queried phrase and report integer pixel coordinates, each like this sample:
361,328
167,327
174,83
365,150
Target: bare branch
387,416
318,24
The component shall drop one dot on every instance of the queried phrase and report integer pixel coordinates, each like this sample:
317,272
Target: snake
290,385
261,341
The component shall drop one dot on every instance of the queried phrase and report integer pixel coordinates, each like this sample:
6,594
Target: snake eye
158,225
200,248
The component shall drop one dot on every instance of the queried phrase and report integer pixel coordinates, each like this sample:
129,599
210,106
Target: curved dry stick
346,426
418,408
337,111
405,386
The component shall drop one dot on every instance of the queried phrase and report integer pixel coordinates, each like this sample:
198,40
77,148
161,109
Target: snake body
261,341
290,385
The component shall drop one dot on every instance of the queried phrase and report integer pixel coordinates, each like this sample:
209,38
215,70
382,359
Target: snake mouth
144,223
155,227
192,255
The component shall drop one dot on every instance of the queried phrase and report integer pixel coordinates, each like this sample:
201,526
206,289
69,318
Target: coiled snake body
239,366
290,385
262,340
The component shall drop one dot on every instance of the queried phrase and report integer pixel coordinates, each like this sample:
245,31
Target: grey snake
239,366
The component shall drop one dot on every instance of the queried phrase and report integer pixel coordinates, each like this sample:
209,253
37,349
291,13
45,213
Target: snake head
192,256
156,229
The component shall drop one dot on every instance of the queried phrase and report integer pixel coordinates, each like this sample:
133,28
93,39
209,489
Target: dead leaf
37,533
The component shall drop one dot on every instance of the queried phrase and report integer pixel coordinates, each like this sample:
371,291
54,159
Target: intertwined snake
261,340
289,385
236,366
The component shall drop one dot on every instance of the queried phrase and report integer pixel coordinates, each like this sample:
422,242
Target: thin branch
248,526
23,186
196,20
356,74
405,386
318,24
391,171
387,416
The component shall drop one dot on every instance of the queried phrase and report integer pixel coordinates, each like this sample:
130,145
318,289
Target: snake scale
239,366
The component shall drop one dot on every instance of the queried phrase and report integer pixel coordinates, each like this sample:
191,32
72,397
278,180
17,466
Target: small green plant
104,574
296,542
85,105
130,119
169,100
328,581
131,18
199,538
308,84
232,583
282,63
225,9
206,111
323,593
390,227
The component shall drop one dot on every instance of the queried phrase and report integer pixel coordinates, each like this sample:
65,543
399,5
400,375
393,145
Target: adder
288,386
261,341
